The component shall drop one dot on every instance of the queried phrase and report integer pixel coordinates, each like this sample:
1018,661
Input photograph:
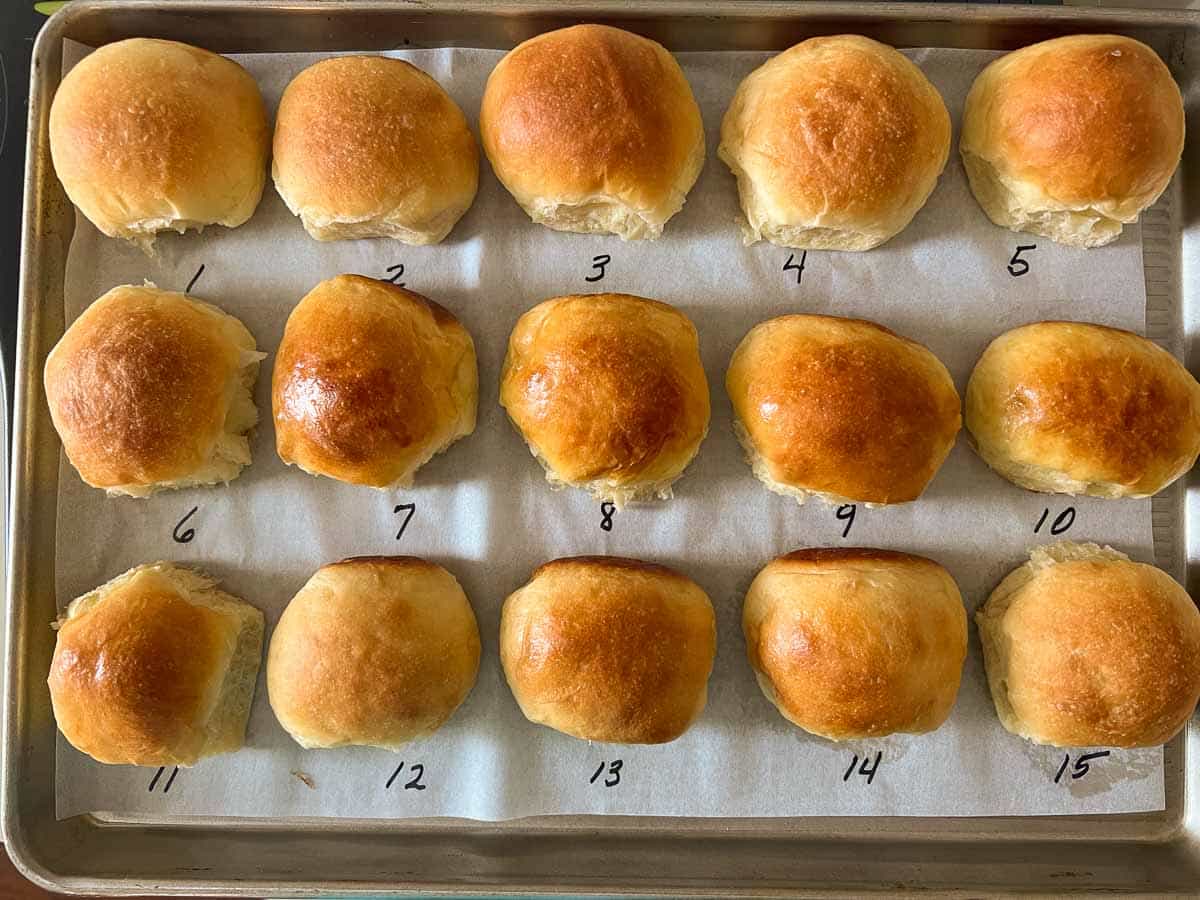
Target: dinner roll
835,144
1073,408
374,651
609,393
841,408
371,382
1085,648
1072,137
609,649
155,668
150,389
149,136
367,146
856,643
593,129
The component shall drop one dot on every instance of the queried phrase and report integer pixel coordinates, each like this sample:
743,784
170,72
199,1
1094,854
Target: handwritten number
1061,523
170,779
397,272
598,263
607,510
1081,766
185,537
863,768
195,278
408,509
1017,266
614,773
414,783
798,267
845,513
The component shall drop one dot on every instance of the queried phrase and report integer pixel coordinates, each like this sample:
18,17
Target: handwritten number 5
1017,266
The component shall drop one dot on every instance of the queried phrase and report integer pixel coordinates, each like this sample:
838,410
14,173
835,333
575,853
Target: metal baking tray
1145,853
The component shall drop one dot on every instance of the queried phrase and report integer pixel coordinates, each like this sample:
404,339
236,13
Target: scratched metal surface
1154,852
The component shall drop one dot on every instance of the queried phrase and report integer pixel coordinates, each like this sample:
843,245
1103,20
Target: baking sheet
484,510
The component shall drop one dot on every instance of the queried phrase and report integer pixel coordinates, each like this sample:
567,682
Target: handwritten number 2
1017,266
397,272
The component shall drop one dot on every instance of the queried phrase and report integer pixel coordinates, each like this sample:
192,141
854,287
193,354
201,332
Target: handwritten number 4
414,783
798,267
1017,266
598,263
614,773
1081,767
408,509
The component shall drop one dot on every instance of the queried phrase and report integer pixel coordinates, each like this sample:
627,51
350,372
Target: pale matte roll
149,136
609,392
371,382
593,129
1085,648
609,649
373,651
1073,408
367,146
155,668
151,389
836,144
841,408
856,643
1072,138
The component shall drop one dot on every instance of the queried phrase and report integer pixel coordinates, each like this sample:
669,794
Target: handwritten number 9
598,263
1062,522
1017,266
845,513
185,537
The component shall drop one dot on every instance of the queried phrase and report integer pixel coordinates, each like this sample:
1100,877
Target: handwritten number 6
845,513
185,537
1017,266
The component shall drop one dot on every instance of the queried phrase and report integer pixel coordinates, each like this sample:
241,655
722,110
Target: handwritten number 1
195,278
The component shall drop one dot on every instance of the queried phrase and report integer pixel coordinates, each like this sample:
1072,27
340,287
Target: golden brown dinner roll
856,643
374,651
1072,137
1074,408
1084,648
835,143
371,382
609,649
151,389
609,393
593,129
151,136
841,408
367,146
155,668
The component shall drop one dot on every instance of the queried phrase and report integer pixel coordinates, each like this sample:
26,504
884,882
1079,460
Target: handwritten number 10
1062,522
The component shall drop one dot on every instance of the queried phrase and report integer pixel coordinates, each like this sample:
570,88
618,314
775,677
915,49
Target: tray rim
27,399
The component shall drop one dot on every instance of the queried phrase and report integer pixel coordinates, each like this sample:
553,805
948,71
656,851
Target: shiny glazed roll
367,146
151,389
841,408
373,651
155,668
593,129
1072,138
371,381
836,144
1074,408
609,649
609,392
856,643
149,136
1086,648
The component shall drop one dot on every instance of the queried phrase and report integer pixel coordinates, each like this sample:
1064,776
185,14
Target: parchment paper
484,510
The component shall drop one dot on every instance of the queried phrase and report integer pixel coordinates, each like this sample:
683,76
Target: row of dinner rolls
150,389
1083,647
836,143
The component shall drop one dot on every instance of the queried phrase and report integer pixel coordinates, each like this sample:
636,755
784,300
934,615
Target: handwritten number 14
868,771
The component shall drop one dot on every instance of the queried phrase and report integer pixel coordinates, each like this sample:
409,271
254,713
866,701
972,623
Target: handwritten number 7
408,509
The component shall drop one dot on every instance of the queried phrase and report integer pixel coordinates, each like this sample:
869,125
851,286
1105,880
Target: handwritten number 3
598,263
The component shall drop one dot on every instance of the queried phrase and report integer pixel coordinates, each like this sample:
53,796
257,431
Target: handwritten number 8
607,510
